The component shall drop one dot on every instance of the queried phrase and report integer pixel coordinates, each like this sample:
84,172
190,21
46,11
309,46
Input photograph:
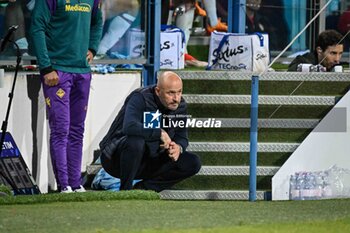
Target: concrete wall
28,125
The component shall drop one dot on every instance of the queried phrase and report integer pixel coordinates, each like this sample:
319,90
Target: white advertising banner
172,45
239,52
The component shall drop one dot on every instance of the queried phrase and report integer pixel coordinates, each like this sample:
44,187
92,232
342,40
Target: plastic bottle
305,191
313,188
319,185
299,184
327,189
294,190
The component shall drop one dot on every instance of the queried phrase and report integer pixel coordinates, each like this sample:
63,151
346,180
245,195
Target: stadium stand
290,106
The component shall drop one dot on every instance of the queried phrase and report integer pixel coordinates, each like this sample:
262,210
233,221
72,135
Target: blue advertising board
9,147
14,172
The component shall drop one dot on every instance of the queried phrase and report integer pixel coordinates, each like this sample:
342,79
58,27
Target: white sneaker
67,189
81,189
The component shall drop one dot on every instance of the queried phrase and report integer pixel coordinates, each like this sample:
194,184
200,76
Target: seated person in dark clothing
328,52
268,17
139,146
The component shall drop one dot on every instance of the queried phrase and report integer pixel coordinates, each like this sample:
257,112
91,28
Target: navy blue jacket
129,122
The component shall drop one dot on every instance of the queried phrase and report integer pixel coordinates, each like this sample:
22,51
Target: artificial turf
78,197
155,215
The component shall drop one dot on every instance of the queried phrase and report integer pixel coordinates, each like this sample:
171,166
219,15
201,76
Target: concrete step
263,99
267,123
212,195
213,170
269,76
236,170
240,147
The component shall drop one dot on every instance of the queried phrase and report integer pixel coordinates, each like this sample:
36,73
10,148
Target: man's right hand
164,137
51,79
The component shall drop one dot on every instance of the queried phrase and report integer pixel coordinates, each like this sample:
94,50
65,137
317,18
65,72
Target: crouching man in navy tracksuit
148,138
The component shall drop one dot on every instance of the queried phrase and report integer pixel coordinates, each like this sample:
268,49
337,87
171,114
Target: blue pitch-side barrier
253,138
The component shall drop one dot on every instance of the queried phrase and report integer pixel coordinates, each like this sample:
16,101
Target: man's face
331,56
170,94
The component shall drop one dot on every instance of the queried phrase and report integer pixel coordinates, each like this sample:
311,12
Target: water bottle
294,190
299,184
313,188
305,191
327,189
319,185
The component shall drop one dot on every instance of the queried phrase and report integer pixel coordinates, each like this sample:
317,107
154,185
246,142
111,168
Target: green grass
331,216
4,190
79,197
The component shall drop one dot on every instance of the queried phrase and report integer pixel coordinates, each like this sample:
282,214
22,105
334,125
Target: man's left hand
174,151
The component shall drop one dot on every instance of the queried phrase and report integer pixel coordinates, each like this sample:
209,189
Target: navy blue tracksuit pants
132,161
